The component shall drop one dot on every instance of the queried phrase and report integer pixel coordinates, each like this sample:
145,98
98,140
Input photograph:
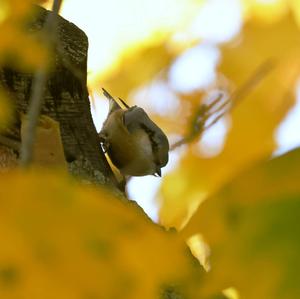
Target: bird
133,142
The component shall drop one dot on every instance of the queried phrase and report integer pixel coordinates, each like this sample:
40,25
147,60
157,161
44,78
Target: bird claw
104,142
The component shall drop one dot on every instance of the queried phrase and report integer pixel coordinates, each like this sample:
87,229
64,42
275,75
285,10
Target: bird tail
113,104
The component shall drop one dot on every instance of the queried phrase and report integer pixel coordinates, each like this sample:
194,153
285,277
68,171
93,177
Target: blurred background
221,78
171,56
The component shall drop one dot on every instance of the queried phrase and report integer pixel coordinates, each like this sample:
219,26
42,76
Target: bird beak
158,172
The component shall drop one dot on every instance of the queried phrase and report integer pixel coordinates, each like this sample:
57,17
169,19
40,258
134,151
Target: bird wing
136,118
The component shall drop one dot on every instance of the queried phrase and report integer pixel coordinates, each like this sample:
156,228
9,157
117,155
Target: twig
37,91
243,91
199,120
197,126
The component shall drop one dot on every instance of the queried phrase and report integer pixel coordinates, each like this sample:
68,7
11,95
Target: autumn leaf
48,148
251,226
138,69
18,47
61,240
253,120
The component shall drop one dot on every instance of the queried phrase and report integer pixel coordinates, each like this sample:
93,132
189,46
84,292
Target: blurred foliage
237,210
18,48
253,121
151,61
251,225
60,240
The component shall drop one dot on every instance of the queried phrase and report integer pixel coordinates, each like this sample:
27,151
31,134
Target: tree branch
222,105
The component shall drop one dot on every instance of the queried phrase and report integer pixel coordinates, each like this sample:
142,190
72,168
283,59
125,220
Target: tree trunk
65,100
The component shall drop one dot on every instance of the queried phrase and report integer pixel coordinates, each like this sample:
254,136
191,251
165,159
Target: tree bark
65,100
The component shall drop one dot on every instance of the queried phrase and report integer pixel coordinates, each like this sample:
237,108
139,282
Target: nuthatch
133,142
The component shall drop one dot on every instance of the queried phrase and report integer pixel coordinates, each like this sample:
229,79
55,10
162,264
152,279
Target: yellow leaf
265,11
251,227
20,48
137,68
48,148
61,240
295,6
253,121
